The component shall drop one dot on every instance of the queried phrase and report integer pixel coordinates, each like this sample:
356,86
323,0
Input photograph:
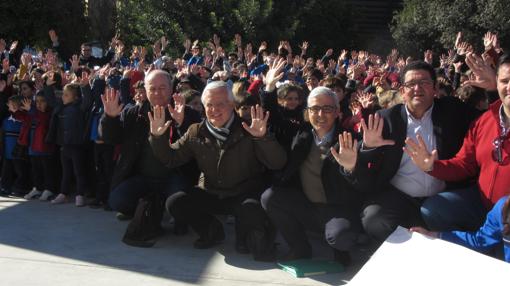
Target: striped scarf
220,133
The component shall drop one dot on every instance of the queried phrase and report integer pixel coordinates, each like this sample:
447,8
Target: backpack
145,226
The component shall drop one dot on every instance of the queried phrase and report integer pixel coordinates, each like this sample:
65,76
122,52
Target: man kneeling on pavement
233,158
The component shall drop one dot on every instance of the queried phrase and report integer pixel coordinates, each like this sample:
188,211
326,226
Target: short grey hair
322,90
215,85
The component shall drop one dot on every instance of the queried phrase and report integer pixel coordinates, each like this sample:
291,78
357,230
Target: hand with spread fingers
347,152
419,154
158,123
274,74
485,75
177,112
259,119
372,133
111,102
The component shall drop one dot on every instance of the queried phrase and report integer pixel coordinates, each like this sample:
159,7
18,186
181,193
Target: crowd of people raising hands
346,146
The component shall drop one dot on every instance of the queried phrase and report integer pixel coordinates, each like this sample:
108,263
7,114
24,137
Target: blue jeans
454,210
124,198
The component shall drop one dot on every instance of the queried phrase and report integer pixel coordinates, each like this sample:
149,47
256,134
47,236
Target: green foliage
324,23
434,24
29,21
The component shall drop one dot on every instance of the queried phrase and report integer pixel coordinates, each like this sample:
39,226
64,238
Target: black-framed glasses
325,109
420,83
497,152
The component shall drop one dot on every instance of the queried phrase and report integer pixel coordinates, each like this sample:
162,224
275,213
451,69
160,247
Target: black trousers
293,214
197,208
385,211
73,161
104,164
15,173
44,172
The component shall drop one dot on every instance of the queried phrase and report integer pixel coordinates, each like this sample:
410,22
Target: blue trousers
454,210
124,197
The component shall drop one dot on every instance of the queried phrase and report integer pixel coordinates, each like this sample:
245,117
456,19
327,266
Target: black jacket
337,189
131,129
376,167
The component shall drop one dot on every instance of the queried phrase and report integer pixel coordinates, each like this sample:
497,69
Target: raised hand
237,40
274,74
487,40
158,125
484,74
304,46
177,112
372,133
263,46
216,40
428,56
13,47
258,125
164,42
329,52
347,152
75,62
26,59
343,55
365,98
419,154
111,102
187,44
458,40
53,36
26,104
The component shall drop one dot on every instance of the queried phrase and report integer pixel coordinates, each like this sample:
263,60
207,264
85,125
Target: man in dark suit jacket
397,189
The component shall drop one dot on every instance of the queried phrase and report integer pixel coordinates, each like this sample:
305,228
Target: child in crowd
67,129
14,169
495,231
33,134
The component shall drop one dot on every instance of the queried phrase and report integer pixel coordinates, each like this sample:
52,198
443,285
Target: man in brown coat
234,158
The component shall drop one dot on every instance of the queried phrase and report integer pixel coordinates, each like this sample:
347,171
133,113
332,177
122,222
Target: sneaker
80,201
45,195
60,199
122,216
33,193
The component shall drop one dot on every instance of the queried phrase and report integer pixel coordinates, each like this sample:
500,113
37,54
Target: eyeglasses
325,109
497,152
420,83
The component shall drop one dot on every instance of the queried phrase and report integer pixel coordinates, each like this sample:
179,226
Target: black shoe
342,257
107,207
215,235
180,228
122,217
96,204
241,247
5,193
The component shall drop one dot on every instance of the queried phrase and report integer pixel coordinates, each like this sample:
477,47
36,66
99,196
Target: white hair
322,90
216,85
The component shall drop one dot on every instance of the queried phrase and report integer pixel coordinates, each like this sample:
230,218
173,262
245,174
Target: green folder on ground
307,267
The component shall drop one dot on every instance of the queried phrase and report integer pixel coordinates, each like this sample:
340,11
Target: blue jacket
11,128
488,236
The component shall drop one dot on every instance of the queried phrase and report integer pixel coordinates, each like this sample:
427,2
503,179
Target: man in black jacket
397,188
138,172
311,193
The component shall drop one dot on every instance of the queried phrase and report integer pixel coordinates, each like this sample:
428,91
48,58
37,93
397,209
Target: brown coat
238,167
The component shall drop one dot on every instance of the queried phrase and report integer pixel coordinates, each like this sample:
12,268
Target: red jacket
475,159
41,120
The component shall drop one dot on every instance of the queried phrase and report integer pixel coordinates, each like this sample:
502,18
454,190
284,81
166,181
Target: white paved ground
41,244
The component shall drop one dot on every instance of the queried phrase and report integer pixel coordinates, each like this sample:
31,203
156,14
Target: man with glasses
486,149
310,193
397,189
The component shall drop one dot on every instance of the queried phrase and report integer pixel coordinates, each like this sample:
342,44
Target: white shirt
409,178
